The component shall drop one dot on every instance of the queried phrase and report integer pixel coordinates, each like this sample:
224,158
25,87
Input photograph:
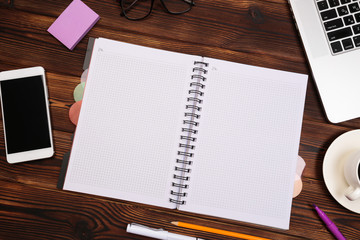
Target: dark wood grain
258,32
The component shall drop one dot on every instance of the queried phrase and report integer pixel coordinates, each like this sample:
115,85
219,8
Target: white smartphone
26,116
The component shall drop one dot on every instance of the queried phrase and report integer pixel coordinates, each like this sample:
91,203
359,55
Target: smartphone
26,116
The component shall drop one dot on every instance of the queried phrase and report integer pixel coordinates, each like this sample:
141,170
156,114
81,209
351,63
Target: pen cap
156,233
146,231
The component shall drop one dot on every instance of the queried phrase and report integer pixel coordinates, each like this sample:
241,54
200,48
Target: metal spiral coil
196,92
197,108
192,139
199,69
191,122
181,177
201,63
197,84
190,130
177,202
201,77
187,170
184,162
193,99
186,146
180,185
180,194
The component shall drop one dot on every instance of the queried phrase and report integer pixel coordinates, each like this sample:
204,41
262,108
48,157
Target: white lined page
248,140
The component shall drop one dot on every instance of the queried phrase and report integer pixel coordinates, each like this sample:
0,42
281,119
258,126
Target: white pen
156,233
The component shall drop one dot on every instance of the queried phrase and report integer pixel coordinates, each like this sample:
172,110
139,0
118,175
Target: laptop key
357,17
334,3
348,20
328,14
322,5
356,29
338,34
343,10
357,41
345,1
347,43
336,47
333,24
354,7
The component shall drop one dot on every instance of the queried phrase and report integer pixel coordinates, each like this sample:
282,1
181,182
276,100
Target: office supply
138,10
84,75
89,49
325,30
62,173
298,182
329,224
298,185
74,112
300,166
156,233
188,132
217,231
333,167
79,91
73,23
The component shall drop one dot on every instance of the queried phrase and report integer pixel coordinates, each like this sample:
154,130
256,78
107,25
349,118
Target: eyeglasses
140,9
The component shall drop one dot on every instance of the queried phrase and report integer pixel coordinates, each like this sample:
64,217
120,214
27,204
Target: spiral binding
187,138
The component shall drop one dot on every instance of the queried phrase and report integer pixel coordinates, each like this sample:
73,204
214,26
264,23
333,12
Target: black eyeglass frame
123,9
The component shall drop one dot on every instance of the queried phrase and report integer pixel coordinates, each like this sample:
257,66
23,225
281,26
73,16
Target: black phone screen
25,114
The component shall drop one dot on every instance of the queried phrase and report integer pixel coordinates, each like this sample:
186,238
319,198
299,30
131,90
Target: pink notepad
73,24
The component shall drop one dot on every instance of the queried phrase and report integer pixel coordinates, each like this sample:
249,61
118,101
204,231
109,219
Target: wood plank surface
258,32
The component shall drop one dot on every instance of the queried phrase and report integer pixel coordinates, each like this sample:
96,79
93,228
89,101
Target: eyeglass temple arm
189,2
132,4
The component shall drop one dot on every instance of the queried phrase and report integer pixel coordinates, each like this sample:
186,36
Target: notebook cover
89,49
63,169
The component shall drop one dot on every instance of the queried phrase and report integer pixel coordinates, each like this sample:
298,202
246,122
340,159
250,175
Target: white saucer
333,167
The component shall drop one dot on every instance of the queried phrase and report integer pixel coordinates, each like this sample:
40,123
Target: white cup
352,175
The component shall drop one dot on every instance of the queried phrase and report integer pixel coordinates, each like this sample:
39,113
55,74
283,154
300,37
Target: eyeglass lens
136,9
177,6
139,9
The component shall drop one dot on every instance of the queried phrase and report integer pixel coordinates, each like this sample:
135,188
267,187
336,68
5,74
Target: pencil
217,231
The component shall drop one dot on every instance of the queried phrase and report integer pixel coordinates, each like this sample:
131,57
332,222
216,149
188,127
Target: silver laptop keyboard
341,22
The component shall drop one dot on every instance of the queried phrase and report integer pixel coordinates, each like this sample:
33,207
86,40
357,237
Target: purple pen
329,224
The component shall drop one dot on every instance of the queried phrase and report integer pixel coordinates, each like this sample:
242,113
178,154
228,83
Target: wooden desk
254,32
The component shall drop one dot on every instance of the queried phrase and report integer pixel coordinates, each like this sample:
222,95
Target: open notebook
188,132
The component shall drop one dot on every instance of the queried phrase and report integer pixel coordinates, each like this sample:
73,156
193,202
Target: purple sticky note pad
73,23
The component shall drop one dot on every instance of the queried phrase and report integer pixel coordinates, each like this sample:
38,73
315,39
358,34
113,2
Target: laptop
330,32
